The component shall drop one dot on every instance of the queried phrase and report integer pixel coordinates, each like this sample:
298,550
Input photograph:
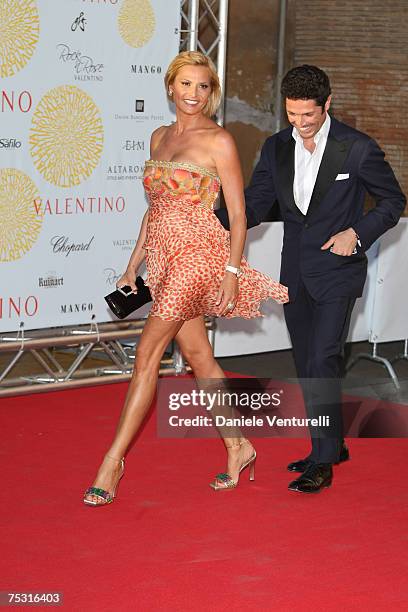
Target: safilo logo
9,143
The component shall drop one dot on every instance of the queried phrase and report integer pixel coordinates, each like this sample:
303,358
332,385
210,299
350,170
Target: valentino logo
9,143
14,101
76,206
70,308
125,244
17,307
145,69
62,244
79,22
85,68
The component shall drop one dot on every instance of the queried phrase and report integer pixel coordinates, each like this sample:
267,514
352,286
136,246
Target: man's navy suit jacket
335,205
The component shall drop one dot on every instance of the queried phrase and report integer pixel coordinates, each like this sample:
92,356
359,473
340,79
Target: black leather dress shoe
303,464
314,479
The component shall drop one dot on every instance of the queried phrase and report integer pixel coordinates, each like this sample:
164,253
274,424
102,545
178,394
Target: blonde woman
195,267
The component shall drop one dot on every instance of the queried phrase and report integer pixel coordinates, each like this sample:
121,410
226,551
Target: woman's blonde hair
196,58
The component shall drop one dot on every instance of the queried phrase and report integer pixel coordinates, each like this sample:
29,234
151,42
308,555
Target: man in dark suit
314,176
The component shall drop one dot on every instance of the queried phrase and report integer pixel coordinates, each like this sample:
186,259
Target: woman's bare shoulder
222,139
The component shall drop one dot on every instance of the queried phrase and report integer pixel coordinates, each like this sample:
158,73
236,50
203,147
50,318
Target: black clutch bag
122,301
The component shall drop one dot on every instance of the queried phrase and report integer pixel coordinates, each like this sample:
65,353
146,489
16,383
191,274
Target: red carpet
169,542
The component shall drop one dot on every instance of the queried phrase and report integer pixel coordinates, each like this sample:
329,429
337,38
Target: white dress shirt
307,165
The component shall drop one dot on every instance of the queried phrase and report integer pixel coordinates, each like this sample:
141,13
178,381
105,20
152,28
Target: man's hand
343,243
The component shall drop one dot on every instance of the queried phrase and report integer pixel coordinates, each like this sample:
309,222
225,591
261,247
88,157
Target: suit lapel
285,164
332,162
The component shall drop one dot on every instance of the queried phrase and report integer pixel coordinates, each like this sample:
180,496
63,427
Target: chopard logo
85,69
62,244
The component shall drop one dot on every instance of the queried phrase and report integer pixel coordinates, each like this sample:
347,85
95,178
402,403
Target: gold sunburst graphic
136,22
20,224
19,33
66,136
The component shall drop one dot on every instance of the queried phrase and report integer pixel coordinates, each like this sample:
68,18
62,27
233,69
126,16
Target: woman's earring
170,92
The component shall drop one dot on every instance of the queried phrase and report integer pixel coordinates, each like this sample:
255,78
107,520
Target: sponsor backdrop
81,90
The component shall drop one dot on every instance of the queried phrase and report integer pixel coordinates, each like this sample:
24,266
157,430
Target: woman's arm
138,252
136,258
229,170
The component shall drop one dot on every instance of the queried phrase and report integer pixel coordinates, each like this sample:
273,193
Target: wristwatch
236,271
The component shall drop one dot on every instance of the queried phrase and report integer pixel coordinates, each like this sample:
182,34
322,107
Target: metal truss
204,28
105,342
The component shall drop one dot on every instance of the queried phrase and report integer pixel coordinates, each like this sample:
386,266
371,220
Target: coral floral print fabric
187,248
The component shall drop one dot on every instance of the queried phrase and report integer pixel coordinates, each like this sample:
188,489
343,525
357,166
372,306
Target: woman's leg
155,337
196,348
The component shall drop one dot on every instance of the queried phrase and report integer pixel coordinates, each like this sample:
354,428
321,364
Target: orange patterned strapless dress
187,248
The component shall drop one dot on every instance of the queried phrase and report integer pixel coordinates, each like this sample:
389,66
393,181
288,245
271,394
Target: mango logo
66,136
20,225
19,34
136,22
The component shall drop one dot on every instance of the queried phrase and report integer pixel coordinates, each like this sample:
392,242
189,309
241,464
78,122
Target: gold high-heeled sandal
105,497
224,482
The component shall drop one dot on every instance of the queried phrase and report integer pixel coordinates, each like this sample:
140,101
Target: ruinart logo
15,307
50,280
66,136
20,226
19,34
136,22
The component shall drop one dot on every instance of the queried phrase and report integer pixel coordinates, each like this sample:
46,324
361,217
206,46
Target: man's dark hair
306,83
